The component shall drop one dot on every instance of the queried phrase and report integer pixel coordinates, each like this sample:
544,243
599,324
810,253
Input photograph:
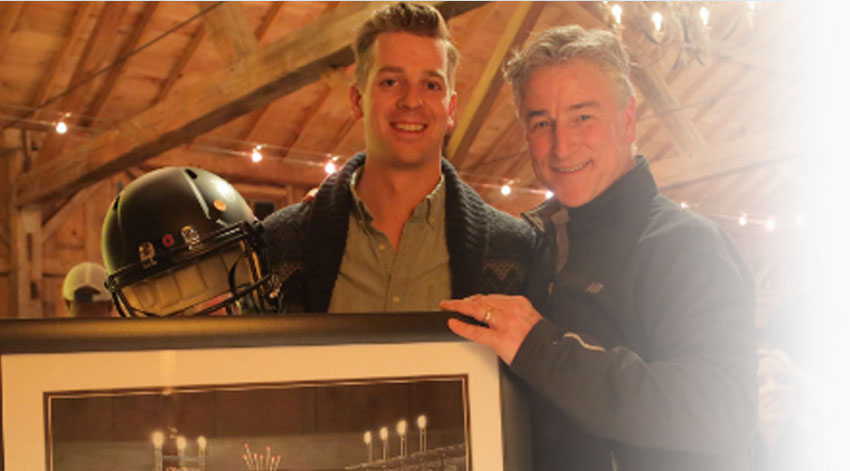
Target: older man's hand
508,320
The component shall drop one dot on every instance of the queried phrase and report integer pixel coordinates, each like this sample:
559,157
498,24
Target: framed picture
303,392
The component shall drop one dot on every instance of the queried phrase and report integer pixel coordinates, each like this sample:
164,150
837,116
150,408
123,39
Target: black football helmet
183,241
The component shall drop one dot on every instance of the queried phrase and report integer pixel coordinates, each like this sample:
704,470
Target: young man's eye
388,82
434,86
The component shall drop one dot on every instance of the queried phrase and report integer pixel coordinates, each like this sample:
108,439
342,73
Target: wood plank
70,208
275,70
72,38
487,88
740,154
268,19
9,13
129,46
98,45
229,30
177,70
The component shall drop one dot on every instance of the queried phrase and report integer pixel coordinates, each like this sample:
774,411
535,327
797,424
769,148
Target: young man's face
406,101
578,137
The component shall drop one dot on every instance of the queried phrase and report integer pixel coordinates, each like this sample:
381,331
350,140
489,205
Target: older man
396,229
644,356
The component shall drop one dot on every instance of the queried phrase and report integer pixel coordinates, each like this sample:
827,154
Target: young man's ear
355,99
450,123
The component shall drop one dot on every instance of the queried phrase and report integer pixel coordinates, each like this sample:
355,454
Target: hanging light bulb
61,127
549,194
506,189
704,14
657,19
256,156
617,11
742,221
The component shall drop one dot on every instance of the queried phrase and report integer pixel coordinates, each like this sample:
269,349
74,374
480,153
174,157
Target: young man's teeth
410,127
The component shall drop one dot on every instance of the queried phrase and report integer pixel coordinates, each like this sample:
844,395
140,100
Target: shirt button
382,247
396,299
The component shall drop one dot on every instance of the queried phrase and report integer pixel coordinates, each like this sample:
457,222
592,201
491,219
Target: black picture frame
55,340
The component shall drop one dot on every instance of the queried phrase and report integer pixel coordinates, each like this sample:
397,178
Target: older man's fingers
471,332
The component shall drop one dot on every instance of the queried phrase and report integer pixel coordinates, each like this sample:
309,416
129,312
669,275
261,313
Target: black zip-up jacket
645,358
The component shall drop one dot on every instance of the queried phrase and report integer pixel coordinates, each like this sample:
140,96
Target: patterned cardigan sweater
489,250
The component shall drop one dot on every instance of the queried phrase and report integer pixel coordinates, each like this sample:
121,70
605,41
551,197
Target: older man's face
579,138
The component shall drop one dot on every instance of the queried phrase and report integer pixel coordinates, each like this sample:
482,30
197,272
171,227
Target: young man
395,229
644,358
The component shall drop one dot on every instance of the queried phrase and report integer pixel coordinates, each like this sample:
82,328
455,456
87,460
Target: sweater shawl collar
327,232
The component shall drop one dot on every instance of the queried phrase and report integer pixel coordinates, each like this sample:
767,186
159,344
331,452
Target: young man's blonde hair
562,44
403,17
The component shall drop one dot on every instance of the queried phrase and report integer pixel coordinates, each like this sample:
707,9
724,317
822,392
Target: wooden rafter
9,13
268,19
112,77
95,51
484,94
272,71
734,156
229,30
317,115
177,70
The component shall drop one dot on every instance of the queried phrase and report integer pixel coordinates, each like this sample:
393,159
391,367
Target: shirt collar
430,209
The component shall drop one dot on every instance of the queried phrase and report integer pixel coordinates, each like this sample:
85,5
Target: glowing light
549,194
617,11
684,205
657,19
401,427
256,156
181,443
330,167
158,438
422,421
742,221
506,189
202,443
752,6
367,438
384,433
770,224
61,127
703,14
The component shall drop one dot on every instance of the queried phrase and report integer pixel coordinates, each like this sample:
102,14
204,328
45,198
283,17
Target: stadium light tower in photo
385,435
401,428
422,424
367,439
158,439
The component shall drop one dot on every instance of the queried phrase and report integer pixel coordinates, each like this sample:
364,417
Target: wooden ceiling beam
275,70
487,88
229,30
129,46
9,13
95,52
268,19
74,32
740,154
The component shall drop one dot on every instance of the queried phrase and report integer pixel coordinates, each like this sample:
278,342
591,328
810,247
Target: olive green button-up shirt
373,278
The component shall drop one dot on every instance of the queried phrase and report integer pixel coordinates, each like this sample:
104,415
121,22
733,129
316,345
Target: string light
742,221
330,167
506,189
684,205
61,127
549,194
256,156
770,224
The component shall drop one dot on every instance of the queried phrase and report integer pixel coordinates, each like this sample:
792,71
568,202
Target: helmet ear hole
191,174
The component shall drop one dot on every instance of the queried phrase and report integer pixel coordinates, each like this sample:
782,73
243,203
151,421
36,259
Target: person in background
84,291
644,355
396,229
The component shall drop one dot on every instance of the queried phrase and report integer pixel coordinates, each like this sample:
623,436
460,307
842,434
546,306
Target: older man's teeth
570,169
409,127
